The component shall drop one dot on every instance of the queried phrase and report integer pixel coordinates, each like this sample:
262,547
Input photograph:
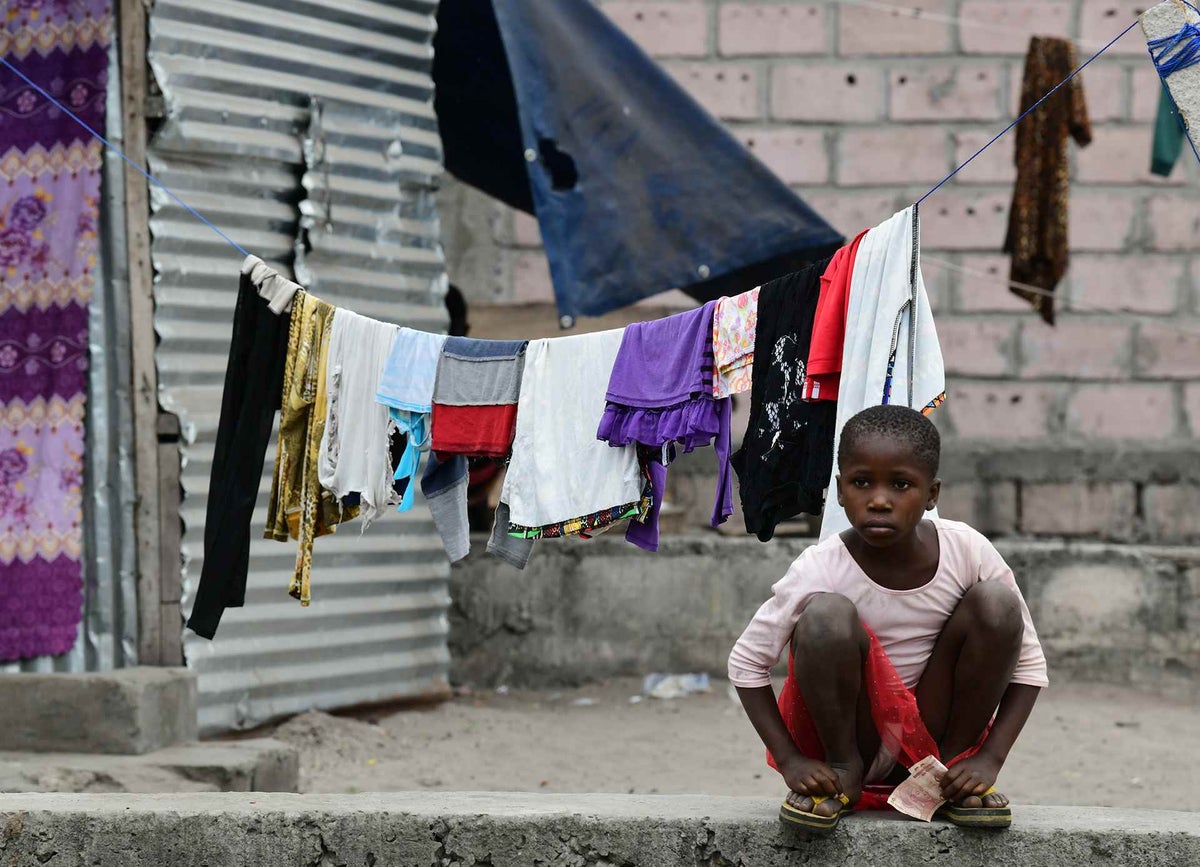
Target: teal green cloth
1168,136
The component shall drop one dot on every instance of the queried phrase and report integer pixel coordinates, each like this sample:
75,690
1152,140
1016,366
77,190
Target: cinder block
962,91
1003,411
1100,221
771,29
729,91
796,155
1191,406
531,278
1145,89
666,28
986,290
994,166
1122,411
1171,512
888,155
1001,24
850,212
130,711
1174,221
1103,509
1103,91
1101,21
977,347
958,219
1087,602
525,230
989,507
1077,350
1124,284
842,92
870,30
1120,155
1168,350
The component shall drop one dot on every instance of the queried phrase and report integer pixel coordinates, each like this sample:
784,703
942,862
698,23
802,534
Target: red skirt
894,710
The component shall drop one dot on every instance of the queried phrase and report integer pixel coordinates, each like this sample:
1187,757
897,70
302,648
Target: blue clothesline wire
123,156
1027,112
244,252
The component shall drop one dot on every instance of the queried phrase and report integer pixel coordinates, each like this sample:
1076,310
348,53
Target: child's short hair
894,422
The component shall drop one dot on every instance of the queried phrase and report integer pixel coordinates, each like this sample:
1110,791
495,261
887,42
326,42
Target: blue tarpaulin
548,106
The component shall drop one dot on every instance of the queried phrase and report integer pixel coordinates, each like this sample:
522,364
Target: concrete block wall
862,110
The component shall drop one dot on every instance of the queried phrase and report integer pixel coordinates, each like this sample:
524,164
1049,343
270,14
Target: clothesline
191,210
940,18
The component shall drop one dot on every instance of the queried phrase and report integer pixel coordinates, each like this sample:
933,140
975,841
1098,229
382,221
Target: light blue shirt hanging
406,389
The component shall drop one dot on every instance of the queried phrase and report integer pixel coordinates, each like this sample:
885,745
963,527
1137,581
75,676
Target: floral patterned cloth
734,324
49,194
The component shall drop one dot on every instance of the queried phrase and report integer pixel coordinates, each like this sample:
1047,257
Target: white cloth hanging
884,360
355,456
559,470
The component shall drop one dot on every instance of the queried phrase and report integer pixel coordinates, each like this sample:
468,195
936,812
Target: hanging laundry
1037,222
475,396
253,385
823,372
355,455
734,323
299,508
474,415
892,354
50,194
783,464
661,393
406,389
444,484
1168,136
559,470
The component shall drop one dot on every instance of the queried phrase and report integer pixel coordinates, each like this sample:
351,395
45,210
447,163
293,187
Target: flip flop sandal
811,821
977,817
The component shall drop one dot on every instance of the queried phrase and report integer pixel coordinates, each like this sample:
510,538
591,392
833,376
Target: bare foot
851,776
993,801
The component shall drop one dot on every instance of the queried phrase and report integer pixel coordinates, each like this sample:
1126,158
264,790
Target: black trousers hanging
253,384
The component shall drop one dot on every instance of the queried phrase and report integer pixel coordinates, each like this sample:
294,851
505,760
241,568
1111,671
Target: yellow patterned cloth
299,508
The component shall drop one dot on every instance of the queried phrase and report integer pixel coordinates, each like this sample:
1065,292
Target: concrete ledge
130,711
441,829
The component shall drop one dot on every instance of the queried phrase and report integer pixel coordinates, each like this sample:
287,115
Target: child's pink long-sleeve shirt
907,622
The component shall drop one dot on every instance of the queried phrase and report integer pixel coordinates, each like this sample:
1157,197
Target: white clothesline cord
939,18
946,264
1053,298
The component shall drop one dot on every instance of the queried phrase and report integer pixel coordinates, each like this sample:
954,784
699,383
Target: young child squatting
907,635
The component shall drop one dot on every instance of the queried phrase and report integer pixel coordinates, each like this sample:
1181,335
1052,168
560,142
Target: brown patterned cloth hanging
1037,222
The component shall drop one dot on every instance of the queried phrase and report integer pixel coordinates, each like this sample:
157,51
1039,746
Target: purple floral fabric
49,196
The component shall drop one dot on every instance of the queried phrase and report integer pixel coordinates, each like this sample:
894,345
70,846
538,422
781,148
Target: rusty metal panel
305,130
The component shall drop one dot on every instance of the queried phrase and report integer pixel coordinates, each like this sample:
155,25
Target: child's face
885,490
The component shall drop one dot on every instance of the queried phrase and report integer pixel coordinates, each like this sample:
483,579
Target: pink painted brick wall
862,111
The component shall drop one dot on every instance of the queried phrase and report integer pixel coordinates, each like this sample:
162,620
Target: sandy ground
1085,745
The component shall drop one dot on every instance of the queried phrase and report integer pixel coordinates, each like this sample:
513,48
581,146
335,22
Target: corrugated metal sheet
274,109
108,633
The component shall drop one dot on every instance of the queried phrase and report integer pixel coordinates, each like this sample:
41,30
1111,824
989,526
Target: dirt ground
1084,745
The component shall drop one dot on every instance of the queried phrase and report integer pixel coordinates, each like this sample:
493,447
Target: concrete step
587,610
502,829
130,711
252,765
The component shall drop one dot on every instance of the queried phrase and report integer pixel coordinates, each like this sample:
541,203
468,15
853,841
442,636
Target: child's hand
971,776
810,777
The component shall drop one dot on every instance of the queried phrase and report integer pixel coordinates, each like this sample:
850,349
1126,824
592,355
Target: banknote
921,794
